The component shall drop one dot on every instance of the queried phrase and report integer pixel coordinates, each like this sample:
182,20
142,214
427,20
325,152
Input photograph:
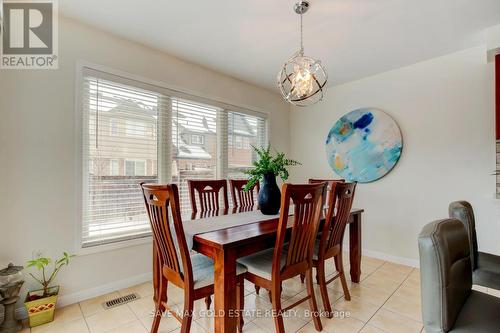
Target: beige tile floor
386,300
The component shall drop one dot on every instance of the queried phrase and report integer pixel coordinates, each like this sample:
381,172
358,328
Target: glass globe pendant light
302,80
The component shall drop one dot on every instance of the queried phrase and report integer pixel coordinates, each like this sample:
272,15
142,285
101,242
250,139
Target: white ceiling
250,39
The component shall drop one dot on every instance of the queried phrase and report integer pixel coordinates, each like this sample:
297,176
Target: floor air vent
120,300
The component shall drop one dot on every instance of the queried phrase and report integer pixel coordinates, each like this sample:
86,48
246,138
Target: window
113,207
245,130
189,160
113,128
238,142
114,168
134,132
135,168
197,139
134,128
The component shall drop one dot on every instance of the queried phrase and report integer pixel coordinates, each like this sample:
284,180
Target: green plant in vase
265,168
41,303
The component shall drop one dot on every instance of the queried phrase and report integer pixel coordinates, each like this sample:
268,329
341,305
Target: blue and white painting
364,145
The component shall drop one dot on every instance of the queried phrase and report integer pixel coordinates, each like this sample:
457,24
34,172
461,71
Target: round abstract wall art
364,145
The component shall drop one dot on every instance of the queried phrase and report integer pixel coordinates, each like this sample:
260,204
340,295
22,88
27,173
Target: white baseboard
79,296
394,259
104,289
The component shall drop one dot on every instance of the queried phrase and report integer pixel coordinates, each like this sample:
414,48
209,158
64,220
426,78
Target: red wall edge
497,95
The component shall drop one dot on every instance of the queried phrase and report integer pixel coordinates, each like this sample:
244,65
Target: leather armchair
485,266
448,302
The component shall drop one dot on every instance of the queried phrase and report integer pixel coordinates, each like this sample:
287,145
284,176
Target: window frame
201,138
111,171
162,88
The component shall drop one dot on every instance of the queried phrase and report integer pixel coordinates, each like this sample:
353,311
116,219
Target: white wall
445,109
37,151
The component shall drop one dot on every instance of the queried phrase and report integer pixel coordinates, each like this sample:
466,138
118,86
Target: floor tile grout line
367,276
379,307
361,280
83,316
406,278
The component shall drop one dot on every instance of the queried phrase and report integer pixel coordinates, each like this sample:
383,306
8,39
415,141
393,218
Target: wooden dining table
225,246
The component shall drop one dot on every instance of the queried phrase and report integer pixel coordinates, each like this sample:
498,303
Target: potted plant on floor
265,169
41,304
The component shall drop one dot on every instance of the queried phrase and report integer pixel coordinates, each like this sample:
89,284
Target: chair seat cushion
203,270
261,263
480,313
487,273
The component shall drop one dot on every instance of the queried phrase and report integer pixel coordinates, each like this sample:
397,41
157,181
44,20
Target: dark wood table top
240,235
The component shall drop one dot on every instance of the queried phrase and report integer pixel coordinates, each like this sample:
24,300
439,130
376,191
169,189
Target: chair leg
302,278
322,286
312,301
188,313
340,268
271,296
257,289
276,302
159,308
240,302
208,301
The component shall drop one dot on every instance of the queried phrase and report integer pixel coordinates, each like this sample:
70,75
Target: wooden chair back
159,199
337,216
240,197
209,193
308,201
330,183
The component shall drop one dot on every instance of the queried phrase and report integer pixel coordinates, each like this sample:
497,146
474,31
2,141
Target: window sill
82,251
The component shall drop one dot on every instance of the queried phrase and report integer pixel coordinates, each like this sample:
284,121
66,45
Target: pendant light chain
301,37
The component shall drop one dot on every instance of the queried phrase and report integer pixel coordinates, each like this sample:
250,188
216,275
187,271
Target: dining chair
485,266
329,245
208,192
242,198
269,268
173,262
448,302
329,183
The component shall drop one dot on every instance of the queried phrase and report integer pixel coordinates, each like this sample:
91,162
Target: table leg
355,247
225,291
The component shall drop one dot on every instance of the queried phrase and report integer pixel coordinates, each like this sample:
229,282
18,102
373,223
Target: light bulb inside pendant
303,81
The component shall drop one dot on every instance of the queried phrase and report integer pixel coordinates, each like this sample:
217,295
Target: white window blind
120,150
244,131
193,161
135,132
